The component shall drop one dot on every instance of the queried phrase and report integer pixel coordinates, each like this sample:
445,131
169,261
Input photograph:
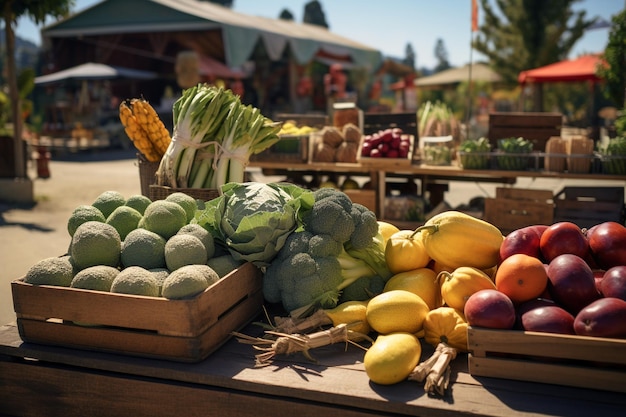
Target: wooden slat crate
588,206
535,127
577,361
364,197
373,122
514,208
160,192
293,148
155,327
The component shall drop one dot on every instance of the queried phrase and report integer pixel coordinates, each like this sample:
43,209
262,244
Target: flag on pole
474,15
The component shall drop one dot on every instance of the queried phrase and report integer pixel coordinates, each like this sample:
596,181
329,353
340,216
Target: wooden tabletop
40,380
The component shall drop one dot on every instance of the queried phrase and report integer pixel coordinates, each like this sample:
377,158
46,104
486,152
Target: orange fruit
521,277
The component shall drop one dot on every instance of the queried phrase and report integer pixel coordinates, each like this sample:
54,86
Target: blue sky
390,25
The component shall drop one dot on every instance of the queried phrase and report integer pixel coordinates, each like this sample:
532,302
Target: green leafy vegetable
252,220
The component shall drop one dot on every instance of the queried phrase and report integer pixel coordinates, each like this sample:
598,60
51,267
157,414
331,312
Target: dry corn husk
556,149
580,153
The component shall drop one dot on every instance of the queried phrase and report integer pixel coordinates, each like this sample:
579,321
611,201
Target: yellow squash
392,358
457,286
457,239
446,325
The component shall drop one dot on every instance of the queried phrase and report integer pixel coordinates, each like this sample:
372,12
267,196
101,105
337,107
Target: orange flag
474,15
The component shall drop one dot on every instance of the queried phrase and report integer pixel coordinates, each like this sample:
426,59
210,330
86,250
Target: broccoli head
311,271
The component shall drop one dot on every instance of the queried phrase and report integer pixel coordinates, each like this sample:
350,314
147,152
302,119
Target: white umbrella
94,71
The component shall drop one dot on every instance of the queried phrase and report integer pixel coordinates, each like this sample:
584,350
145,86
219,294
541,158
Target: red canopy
582,68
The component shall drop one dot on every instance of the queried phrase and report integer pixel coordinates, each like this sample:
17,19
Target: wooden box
588,206
388,163
577,361
514,208
536,127
154,327
364,197
147,172
292,148
160,192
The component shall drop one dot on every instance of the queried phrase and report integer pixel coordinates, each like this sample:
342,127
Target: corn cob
151,123
136,133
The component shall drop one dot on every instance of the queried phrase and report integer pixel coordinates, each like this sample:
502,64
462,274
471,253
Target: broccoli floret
365,226
329,217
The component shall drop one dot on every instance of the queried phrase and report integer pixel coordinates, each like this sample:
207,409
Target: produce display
515,153
388,143
214,136
337,273
337,144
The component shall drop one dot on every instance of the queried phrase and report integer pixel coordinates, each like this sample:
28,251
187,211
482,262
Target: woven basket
147,171
160,192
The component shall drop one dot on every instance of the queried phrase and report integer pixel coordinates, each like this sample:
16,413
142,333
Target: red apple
561,238
571,282
598,274
613,282
605,317
607,242
548,319
522,308
525,240
490,308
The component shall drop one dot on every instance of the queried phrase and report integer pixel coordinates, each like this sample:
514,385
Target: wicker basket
160,192
147,171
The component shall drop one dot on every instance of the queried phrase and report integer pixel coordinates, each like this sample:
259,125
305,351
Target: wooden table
38,380
379,173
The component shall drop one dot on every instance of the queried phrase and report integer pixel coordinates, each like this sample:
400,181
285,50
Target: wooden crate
293,148
536,127
387,163
155,327
514,208
588,206
364,197
373,122
577,361
160,192
147,172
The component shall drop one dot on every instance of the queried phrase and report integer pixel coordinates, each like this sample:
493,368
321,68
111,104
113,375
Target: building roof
240,32
479,72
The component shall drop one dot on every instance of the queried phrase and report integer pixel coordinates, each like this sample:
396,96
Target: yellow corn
136,133
149,120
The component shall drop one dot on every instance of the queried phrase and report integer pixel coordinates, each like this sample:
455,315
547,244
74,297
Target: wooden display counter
426,174
38,380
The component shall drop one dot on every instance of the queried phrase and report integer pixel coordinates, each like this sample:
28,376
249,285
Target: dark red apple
605,317
524,240
561,238
548,319
522,308
491,309
598,274
607,243
613,283
571,282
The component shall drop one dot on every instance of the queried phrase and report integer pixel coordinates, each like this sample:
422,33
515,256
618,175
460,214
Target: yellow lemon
350,312
405,251
386,230
396,311
392,358
421,281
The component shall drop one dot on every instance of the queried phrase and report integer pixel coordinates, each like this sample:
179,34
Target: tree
528,34
441,53
409,56
614,73
286,14
36,10
314,14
